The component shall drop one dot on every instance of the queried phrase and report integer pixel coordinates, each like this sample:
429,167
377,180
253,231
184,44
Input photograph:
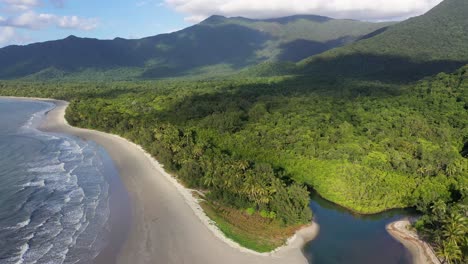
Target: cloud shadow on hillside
377,67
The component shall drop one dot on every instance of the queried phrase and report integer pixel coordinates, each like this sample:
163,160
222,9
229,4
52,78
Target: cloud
58,3
23,16
7,35
370,10
19,5
74,22
32,20
143,3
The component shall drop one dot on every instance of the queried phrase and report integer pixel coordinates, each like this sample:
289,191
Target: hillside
421,46
216,45
366,146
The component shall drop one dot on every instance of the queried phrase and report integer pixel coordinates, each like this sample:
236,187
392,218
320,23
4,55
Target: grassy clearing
250,231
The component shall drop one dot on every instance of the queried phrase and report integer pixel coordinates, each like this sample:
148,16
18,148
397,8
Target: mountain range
216,44
421,46
302,45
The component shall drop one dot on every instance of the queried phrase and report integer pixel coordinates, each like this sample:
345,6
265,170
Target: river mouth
351,238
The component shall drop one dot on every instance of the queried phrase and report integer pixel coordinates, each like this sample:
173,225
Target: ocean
54,191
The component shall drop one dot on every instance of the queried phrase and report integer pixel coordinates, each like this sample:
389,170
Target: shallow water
354,239
54,191
55,204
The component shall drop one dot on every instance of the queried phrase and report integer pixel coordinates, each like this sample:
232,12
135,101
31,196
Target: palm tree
454,228
439,209
209,180
450,252
197,151
243,165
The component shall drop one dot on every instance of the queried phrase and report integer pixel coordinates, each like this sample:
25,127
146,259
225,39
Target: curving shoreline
421,252
168,224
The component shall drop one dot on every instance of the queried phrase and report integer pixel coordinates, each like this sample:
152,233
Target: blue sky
27,21
122,18
109,19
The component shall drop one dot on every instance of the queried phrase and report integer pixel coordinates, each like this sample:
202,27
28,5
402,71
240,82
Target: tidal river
55,191
60,194
354,239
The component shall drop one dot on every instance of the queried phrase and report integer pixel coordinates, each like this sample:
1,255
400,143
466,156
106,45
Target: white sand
422,253
168,225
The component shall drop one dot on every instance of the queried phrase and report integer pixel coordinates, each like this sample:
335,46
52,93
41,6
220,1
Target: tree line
254,142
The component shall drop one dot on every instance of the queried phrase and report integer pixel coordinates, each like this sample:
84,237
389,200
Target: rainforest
372,121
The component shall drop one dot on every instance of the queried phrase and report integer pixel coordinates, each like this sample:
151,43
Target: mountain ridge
217,44
420,46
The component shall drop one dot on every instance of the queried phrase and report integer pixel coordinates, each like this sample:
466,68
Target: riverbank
144,242
421,252
168,224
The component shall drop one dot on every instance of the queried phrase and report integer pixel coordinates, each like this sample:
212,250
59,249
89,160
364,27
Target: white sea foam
34,120
23,249
36,253
70,204
65,143
19,225
40,183
73,216
24,223
49,168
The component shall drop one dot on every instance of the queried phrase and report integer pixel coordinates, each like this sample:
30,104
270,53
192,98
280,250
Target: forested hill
418,47
217,44
246,143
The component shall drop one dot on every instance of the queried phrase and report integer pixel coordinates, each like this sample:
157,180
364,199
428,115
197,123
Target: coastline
421,252
216,248
167,222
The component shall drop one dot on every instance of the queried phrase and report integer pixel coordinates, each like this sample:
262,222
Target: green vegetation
216,47
445,225
410,50
346,123
250,229
366,146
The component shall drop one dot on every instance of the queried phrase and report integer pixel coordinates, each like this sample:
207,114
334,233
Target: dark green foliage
420,46
445,226
365,145
251,143
291,203
217,46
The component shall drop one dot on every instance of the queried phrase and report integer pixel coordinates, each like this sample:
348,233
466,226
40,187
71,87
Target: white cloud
7,35
143,3
197,10
22,14
74,22
58,3
19,5
32,20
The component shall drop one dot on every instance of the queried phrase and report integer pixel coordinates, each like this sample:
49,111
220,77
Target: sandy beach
167,224
421,252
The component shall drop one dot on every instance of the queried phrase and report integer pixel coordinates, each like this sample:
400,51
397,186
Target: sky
27,21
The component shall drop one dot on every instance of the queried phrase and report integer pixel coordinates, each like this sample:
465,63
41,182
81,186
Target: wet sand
167,223
422,253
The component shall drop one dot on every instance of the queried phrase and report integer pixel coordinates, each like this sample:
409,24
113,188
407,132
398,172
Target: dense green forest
415,48
253,143
369,121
